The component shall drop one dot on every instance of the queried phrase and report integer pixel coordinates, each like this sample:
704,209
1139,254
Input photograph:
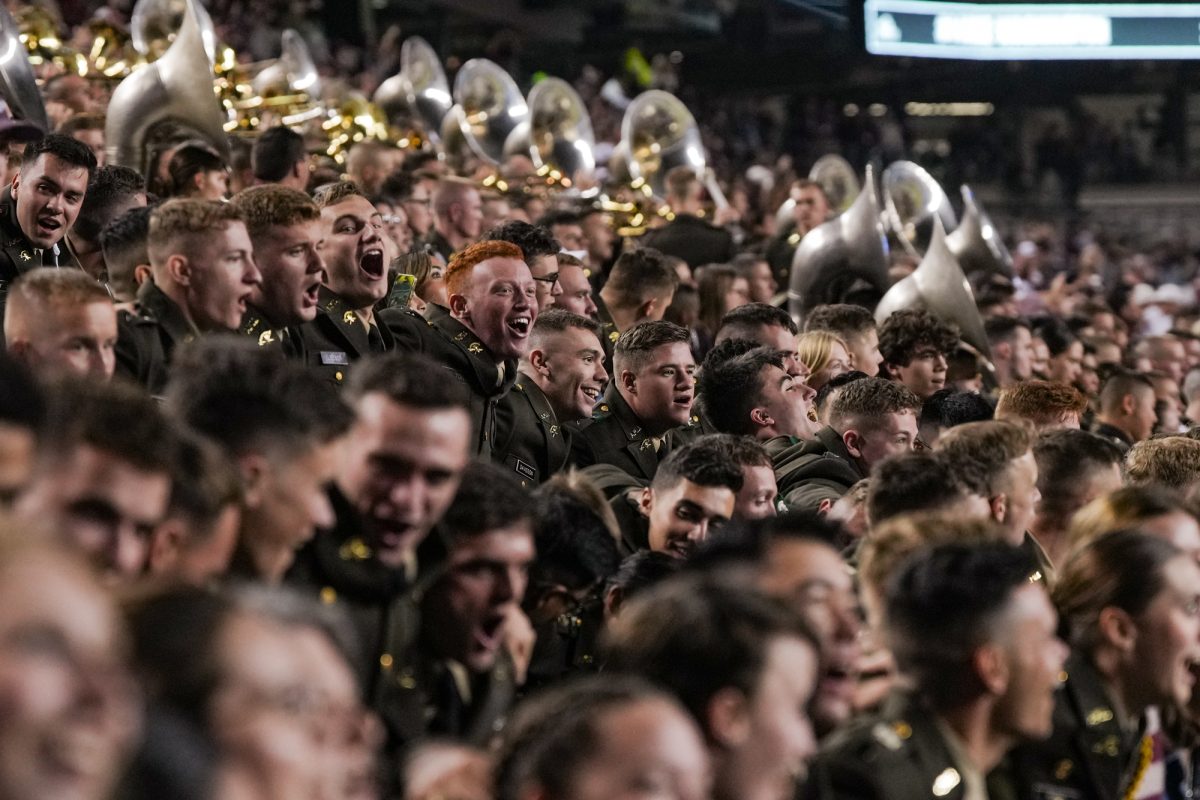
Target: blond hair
181,226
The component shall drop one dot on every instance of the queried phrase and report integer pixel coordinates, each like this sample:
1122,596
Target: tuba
833,256
419,93
912,198
488,108
17,84
177,88
976,243
837,179
155,24
658,133
558,137
939,286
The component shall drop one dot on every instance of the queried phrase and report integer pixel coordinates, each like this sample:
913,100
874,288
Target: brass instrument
558,136
417,98
837,254
17,84
155,24
355,120
175,89
976,243
658,134
912,198
939,286
285,90
488,107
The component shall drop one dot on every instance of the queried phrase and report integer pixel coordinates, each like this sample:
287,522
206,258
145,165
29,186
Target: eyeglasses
550,279
421,201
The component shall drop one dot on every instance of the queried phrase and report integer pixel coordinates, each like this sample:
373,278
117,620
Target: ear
142,273
198,180
991,667
825,506
1002,350
537,360
1117,628
646,502
728,718
179,269
651,309
1128,405
254,469
761,417
854,442
628,382
613,598
16,181
166,543
459,306
998,506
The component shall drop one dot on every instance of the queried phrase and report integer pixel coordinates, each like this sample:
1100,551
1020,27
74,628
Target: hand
519,638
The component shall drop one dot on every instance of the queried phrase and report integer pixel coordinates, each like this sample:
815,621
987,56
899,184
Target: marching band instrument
912,198
17,83
976,243
488,107
419,94
558,135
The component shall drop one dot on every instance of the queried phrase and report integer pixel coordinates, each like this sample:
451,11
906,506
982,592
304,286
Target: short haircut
462,264
245,398
642,570
64,148
559,320
46,285
204,482
124,242
554,735
1066,458
638,276
189,160
947,408
116,418
1172,462
704,462
1003,329
488,499
910,482
833,387
1122,569
633,347
534,240
276,151
745,263
679,181
846,320
945,603
1040,402
697,634
81,122
263,207
1120,383
110,189
450,190
331,194
567,260
905,332
980,453
863,404
732,387
560,216
575,546
1057,336
1126,507
404,379
182,225
742,450
744,321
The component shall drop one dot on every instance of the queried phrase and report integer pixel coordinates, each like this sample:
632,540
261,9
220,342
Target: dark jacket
608,331
695,241
336,338
529,439
616,436
1114,435
809,472
453,345
1087,756
898,754
17,253
286,339
146,340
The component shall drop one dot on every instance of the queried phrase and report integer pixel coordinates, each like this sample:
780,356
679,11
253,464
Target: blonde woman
825,354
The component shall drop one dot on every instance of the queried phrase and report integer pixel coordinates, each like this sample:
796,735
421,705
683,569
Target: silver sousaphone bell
419,93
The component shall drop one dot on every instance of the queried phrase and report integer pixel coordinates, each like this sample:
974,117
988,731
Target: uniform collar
155,302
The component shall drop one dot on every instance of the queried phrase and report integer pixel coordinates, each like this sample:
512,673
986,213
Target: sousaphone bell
488,107
912,199
976,243
419,93
17,84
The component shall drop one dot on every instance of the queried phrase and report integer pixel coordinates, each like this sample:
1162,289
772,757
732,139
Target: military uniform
608,332
1089,756
439,244
337,338
284,339
529,440
808,472
18,255
899,754
456,347
616,436
1115,435
696,241
146,339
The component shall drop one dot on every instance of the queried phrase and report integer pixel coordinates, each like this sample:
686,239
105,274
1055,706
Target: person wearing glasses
541,255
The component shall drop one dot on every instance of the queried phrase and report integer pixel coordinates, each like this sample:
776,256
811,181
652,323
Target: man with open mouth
493,305
42,204
285,228
344,328
203,276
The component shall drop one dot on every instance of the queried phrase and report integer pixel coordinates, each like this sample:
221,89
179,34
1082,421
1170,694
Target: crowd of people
390,484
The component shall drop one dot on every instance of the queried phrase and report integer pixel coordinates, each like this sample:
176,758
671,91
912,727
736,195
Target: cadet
561,378
640,286
286,230
651,392
61,320
344,329
41,206
493,307
977,642
202,264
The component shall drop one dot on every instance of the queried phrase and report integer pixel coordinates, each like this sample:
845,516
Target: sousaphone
912,199
419,93
17,84
976,243
558,136
155,24
488,107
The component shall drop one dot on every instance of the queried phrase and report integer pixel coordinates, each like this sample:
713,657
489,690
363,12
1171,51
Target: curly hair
905,332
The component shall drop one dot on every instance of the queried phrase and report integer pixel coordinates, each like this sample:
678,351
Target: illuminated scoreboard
1020,31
